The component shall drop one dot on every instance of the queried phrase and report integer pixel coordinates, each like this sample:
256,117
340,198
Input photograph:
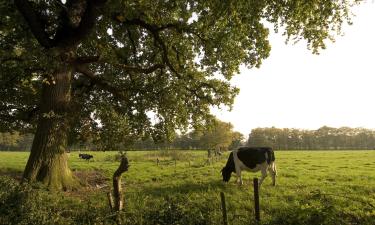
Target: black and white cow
85,156
250,159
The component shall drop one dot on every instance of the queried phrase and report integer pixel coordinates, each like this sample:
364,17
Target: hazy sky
296,89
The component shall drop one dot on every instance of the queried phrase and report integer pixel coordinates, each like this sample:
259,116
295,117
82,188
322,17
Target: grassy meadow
313,187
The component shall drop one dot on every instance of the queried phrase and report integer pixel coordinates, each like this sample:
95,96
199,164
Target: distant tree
25,142
218,135
322,138
153,62
258,137
195,138
145,143
237,140
183,142
9,140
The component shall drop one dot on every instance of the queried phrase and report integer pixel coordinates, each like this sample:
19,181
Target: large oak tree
78,68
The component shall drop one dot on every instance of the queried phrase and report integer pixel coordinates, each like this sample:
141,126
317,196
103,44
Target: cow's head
226,172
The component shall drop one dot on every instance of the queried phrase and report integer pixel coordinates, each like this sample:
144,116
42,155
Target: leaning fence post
224,209
256,199
117,189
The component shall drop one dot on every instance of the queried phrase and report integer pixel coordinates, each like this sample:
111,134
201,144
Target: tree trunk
48,161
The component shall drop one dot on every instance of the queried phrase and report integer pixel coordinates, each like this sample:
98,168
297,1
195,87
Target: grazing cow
86,156
251,159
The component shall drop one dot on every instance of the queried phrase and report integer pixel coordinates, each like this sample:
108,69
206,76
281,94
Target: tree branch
75,22
76,26
34,22
132,42
154,30
92,59
178,26
14,113
28,71
87,59
140,69
105,85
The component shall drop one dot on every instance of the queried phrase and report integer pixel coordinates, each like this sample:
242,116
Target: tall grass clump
30,204
23,204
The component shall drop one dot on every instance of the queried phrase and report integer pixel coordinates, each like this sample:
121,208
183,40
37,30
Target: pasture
313,187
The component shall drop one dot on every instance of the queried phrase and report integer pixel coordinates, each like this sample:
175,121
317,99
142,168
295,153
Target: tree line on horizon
323,138
222,136
218,135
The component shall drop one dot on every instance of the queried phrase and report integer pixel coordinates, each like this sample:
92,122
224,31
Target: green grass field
313,187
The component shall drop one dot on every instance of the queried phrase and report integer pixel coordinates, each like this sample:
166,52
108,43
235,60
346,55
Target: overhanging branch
96,59
26,115
103,84
154,30
87,59
146,70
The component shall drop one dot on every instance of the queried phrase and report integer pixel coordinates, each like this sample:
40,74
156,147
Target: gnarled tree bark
48,161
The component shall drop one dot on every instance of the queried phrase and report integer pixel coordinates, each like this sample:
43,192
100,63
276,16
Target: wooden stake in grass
117,194
224,208
256,199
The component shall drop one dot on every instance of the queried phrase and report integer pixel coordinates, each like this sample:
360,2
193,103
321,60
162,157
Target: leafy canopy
144,67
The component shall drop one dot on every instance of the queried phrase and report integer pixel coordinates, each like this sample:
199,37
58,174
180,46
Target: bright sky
296,89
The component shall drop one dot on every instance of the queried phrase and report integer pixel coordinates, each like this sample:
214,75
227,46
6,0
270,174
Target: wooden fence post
256,199
116,180
224,209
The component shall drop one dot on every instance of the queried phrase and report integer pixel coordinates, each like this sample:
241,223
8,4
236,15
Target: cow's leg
264,174
238,173
237,168
239,177
272,169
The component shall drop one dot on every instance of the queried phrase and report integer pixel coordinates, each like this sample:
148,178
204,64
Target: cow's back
251,156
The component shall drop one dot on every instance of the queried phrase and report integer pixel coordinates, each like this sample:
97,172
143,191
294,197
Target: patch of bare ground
92,181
